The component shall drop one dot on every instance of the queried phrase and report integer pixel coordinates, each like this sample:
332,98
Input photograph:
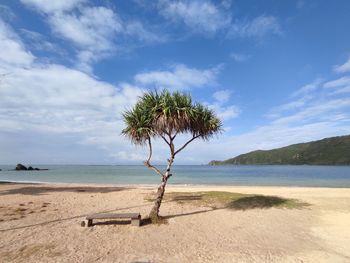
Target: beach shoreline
41,223
169,185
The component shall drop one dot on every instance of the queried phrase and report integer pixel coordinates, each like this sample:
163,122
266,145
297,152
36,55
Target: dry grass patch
235,201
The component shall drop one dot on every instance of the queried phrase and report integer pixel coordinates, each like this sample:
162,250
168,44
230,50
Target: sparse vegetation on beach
235,201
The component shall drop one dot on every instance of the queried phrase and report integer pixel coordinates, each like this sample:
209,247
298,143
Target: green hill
329,151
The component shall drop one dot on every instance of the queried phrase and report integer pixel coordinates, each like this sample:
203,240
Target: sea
235,175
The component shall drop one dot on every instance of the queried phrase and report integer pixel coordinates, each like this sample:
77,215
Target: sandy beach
41,223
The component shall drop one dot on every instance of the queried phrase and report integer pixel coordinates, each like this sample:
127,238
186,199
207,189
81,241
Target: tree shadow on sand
257,202
232,201
40,190
235,201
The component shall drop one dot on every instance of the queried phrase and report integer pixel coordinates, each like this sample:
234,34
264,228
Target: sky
275,72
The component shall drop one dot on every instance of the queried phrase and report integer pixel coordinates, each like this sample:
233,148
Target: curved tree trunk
154,214
160,193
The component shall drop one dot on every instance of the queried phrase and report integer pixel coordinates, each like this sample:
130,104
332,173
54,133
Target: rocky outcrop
34,169
21,167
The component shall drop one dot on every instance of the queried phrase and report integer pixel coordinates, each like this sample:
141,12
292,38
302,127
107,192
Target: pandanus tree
166,115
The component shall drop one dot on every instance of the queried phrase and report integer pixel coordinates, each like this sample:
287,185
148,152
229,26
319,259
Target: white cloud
13,52
301,98
6,13
137,29
338,86
180,77
342,90
318,110
61,102
93,31
258,27
341,82
93,28
224,112
37,41
315,102
305,90
200,16
222,96
58,103
58,99
239,57
293,105
343,68
208,17
52,6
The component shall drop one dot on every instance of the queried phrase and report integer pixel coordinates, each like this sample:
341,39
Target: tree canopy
167,114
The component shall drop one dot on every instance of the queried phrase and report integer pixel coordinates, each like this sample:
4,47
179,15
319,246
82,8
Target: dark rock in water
21,167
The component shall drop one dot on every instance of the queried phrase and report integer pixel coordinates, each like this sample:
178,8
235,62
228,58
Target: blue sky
276,72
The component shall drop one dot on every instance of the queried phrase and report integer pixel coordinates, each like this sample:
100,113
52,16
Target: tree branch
187,143
168,143
150,150
147,162
172,138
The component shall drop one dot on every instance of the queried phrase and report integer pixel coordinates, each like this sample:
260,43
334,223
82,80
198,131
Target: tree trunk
154,214
160,193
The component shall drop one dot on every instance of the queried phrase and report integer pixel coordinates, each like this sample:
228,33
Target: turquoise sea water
268,175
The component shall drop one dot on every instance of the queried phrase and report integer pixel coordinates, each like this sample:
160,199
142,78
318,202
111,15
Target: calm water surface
264,175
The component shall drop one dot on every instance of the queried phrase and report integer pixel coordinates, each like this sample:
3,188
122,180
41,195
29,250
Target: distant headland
328,151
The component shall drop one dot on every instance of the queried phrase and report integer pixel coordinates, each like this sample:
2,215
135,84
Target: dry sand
41,223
